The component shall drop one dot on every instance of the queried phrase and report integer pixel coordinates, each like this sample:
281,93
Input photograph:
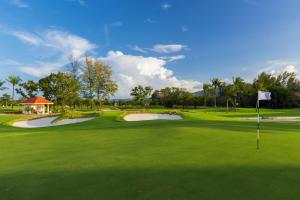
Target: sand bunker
47,121
274,119
148,116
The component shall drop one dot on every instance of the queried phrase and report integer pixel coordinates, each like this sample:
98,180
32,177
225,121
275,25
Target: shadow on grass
243,183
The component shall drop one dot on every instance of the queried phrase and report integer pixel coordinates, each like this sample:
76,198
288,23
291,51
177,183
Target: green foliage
141,93
28,89
62,88
97,81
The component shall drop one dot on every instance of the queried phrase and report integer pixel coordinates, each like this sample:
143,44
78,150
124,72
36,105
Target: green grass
207,155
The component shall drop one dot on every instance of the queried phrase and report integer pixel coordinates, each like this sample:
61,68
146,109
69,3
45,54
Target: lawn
207,155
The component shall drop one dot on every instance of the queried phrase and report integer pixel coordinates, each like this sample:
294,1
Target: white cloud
27,37
166,6
137,48
55,46
173,58
130,70
168,48
19,3
276,67
184,28
117,24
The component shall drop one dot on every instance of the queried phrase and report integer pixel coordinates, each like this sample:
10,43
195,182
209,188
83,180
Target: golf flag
260,96
264,95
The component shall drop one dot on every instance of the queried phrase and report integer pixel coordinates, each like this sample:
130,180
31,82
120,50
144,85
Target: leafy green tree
185,97
169,96
141,93
239,88
104,86
216,83
88,80
5,99
14,81
61,87
28,89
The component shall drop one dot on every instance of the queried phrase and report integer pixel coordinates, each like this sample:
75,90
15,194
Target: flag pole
258,127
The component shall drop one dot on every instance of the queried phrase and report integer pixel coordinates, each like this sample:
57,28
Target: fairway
206,155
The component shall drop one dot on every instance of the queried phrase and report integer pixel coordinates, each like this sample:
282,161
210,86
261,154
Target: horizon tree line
90,83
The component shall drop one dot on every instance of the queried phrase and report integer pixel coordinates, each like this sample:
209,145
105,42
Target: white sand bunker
47,121
274,119
149,116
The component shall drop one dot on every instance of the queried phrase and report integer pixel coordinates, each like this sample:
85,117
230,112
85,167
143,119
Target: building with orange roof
38,105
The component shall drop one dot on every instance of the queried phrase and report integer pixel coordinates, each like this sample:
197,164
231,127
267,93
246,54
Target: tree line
89,83
218,93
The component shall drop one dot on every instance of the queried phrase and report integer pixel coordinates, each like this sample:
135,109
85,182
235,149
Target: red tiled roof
37,100
297,95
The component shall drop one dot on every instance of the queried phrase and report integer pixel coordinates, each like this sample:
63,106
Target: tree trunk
227,103
204,100
13,98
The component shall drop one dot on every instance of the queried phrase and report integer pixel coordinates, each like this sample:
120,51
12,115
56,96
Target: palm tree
14,81
230,93
1,85
206,89
216,83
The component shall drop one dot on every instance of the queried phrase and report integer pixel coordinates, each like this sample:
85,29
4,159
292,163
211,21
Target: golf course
205,155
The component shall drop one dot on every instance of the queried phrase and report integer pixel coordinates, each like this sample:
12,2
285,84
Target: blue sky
158,43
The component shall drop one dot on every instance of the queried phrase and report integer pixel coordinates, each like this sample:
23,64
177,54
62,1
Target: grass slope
208,155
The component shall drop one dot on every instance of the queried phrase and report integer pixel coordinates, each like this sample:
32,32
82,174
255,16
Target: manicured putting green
206,155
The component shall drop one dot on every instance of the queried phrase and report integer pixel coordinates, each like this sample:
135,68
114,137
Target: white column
48,110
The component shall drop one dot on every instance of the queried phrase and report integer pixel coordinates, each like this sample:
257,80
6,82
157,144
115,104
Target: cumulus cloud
131,70
276,67
168,48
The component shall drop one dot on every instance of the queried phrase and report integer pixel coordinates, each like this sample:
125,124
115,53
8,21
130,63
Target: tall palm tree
206,89
1,85
216,83
14,81
230,93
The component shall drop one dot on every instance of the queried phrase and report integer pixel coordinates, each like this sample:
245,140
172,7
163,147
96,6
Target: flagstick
257,134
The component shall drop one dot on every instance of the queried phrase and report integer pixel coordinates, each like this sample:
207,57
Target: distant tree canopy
90,82
28,89
141,93
62,88
97,81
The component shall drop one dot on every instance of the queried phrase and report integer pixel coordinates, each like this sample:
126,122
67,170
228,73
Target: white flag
264,95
